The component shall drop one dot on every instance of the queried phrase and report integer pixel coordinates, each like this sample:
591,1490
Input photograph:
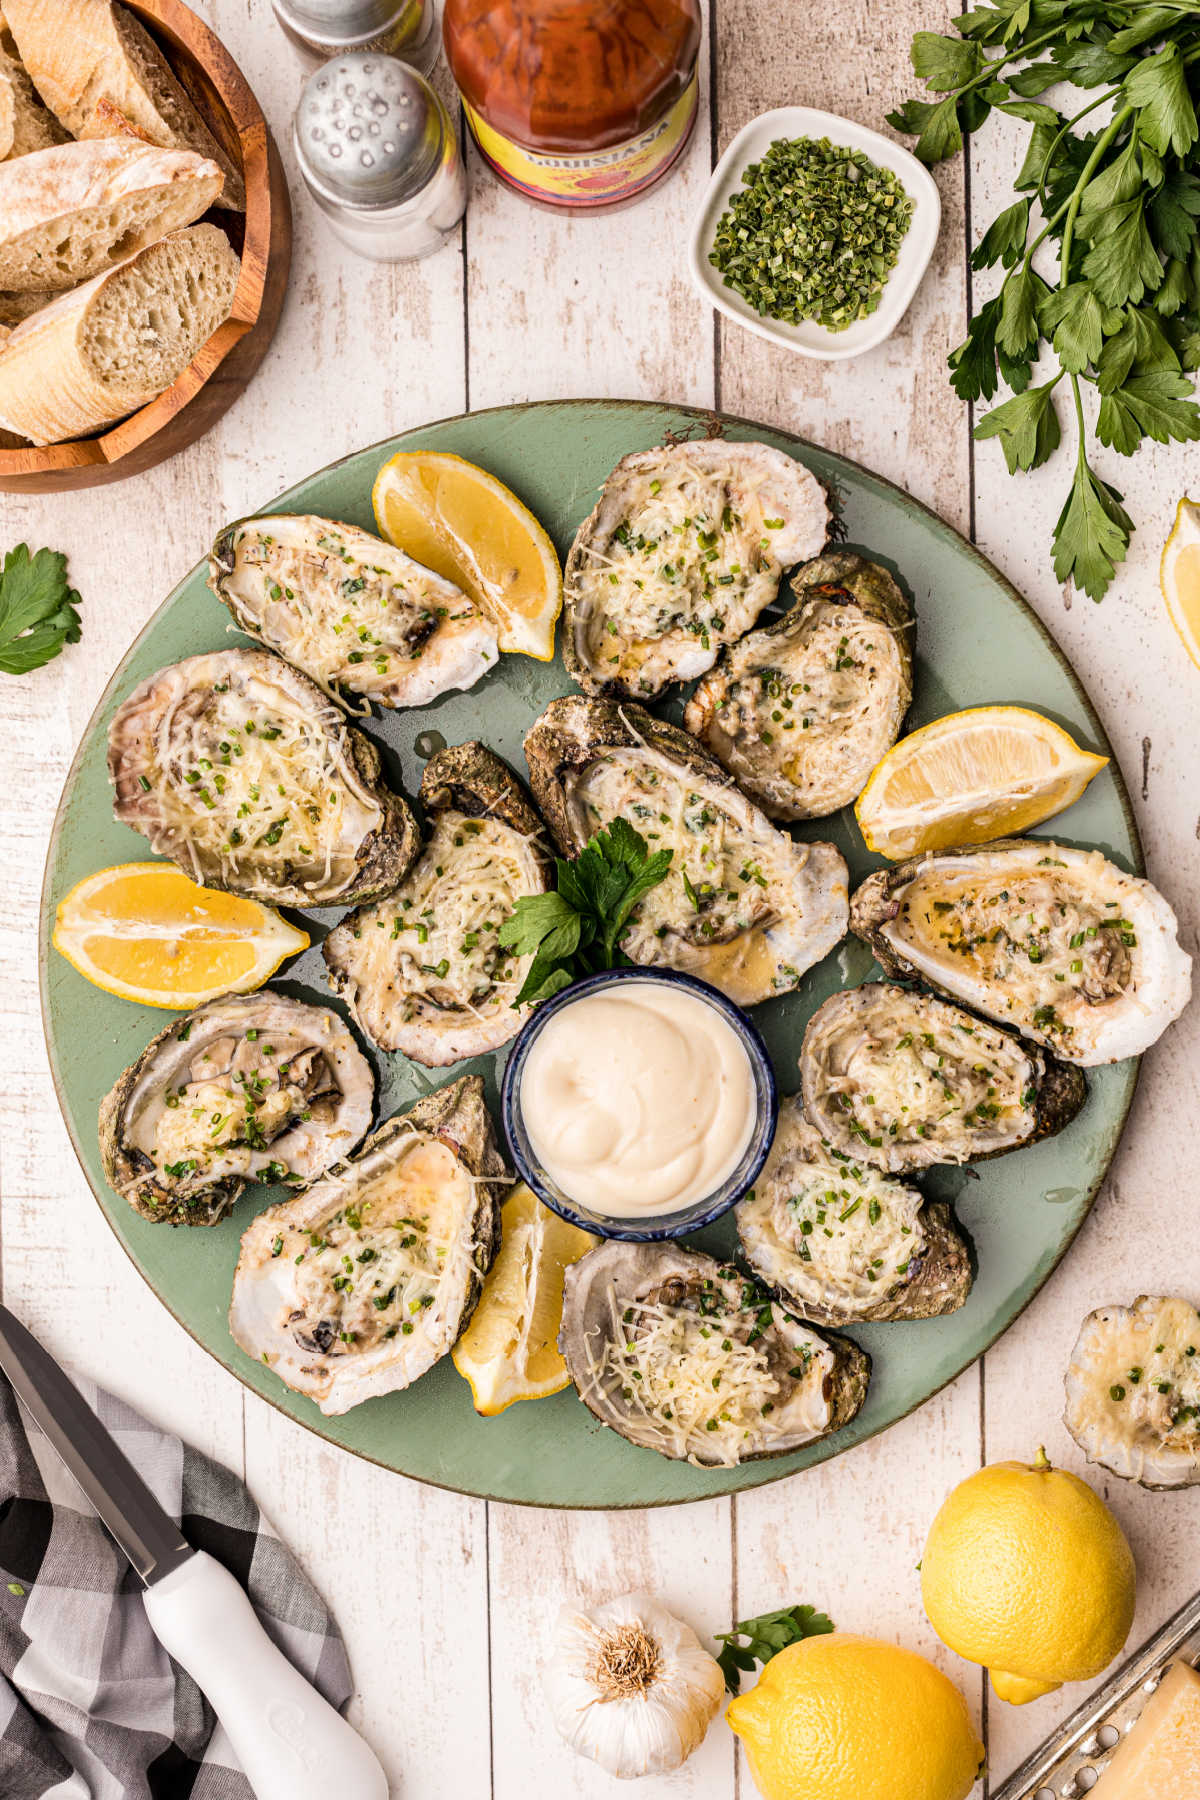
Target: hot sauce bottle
576,103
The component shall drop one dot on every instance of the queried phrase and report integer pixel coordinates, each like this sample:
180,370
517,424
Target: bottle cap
337,22
369,131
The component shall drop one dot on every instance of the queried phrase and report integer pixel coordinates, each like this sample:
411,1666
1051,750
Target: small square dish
811,339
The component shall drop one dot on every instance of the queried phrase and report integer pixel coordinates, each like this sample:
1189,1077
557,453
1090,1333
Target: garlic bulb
631,1687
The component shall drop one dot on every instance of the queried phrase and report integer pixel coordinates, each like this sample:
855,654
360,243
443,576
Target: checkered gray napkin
91,1706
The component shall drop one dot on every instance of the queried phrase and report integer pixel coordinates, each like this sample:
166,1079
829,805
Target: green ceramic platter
977,642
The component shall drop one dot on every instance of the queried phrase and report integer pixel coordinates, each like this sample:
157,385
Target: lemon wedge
988,772
1179,575
147,932
509,1351
465,525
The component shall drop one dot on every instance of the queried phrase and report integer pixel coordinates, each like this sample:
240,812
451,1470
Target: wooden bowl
220,371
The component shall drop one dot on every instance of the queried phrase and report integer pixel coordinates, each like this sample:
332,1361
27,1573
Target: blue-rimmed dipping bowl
646,1228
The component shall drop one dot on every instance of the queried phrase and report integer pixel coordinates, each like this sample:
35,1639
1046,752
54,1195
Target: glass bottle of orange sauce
576,103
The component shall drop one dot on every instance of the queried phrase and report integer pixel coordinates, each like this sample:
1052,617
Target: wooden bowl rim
184,27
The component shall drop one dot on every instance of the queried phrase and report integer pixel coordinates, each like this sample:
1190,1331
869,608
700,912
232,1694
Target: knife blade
143,1529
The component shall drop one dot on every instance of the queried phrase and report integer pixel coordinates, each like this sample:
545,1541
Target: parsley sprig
1117,208
766,1636
577,930
37,609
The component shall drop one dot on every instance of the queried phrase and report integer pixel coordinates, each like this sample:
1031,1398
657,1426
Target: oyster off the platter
683,1355
684,549
801,710
903,1080
837,1240
242,772
743,905
424,971
358,616
1058,942
359,1285
1133,1391
250,1087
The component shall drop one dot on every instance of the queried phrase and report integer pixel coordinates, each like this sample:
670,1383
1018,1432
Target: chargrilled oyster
250,1087
838,1240
1133,1391
683,1355
424,971
238,768
684,549
743,905
902,1080
801,710
358,616
358,1286
1060,943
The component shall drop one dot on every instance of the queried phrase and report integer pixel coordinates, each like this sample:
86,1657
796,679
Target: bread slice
108,347
25,123
71,211
82,53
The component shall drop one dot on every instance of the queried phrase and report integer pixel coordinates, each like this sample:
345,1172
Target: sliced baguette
71,211
17,304
101,351
25,123
94,65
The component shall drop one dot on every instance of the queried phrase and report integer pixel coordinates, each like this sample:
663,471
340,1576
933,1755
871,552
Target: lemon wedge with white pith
463,523
509,1351
147,932
988,772
1179,575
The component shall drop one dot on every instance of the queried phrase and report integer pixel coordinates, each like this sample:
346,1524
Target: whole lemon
1027,1572
850,1718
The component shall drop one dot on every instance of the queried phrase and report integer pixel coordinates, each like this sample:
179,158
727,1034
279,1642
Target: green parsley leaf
1157,85
766,1636
1092,533
945,63
1027,426
1153,406
37,609
1004,240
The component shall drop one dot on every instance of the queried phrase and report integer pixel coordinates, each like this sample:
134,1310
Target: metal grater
1071,1761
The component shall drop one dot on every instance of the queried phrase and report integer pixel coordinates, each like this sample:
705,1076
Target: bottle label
593,177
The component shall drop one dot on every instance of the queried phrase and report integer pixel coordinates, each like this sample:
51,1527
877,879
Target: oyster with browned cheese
241,771
838,1240
801,710
683,1355
358,616
1059,942
685,548
358,1286
1133,1391
250,1087
743,905
424,970
902,1080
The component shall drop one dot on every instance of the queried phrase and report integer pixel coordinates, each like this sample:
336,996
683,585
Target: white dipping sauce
638,1100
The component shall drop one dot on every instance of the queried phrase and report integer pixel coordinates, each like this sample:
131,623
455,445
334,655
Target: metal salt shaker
380,157
321,29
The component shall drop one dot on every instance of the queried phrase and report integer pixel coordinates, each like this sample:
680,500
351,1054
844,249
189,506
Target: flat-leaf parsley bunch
1119,204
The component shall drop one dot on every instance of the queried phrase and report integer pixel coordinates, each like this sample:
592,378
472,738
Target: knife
291,1743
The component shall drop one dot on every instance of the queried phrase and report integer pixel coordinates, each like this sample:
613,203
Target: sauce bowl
644,1228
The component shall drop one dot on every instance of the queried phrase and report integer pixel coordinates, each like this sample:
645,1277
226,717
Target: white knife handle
290,1742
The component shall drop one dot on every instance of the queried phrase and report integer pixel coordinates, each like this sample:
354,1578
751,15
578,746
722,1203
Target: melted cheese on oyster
1133,1390
849,1223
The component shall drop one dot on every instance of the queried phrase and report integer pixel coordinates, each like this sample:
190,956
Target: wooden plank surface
448,1605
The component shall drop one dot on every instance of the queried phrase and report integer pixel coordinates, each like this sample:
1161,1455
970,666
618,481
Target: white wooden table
447,1603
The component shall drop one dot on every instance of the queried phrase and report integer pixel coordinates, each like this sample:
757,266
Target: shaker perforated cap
369,131
340,22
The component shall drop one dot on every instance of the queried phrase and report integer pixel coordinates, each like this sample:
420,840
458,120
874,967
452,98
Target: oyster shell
682,552
250,1087
724,1374
838,1240
902,1080
743,906
1133,1391
1059,942
358,1286
801,710
238,768
358,616
423,971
